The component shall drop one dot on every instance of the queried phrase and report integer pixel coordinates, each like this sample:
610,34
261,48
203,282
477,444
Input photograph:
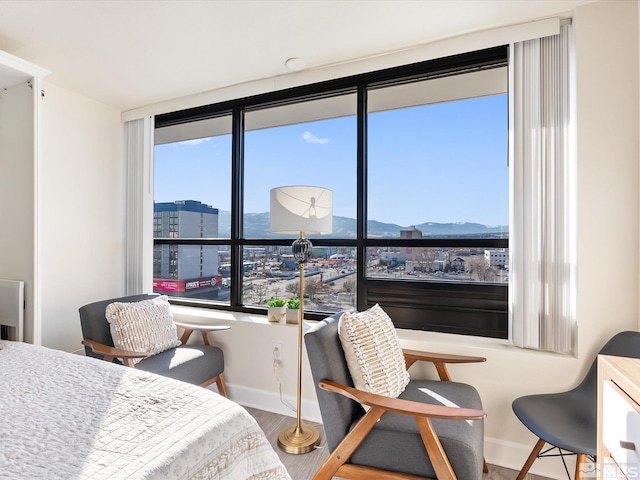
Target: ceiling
129,54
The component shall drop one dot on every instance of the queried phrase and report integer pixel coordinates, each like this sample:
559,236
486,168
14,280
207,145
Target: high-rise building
185,270
412,232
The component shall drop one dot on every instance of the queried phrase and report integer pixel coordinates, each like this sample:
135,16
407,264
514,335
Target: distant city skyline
441,163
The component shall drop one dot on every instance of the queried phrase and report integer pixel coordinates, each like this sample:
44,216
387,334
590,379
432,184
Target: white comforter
65,416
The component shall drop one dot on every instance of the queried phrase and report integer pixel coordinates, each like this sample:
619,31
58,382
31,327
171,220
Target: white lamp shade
301,208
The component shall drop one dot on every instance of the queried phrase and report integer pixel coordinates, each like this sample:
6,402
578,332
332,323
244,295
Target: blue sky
439,163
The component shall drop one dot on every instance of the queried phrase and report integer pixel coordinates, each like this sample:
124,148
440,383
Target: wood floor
303,467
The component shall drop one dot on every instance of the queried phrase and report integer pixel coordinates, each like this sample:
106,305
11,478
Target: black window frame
478,309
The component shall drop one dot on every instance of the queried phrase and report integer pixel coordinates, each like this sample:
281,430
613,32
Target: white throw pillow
373,352
145,326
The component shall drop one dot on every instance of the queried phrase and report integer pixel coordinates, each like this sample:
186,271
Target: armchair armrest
439,360
404,407
110,353
422,414
189,328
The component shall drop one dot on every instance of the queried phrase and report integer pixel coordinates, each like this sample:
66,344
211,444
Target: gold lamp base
298,440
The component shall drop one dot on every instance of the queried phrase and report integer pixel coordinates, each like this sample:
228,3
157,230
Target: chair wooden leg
580,460
439,460
443,373
348,445
220,383
532,458
185,336
222,387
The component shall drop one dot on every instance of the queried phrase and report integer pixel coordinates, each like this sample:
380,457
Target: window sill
410,339
209,316
425,340
470,345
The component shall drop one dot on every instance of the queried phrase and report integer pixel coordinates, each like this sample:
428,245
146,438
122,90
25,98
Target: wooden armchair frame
336,464
109,354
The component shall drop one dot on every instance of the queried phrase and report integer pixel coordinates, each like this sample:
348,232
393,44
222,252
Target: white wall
82,211
248,354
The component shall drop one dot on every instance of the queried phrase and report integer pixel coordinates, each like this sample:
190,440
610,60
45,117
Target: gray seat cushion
398,436
190,363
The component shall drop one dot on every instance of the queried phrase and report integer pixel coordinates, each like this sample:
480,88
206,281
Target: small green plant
293,303
276,302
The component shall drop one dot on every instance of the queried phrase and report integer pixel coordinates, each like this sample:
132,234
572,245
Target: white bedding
65,416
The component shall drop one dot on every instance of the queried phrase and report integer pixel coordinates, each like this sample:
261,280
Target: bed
66,416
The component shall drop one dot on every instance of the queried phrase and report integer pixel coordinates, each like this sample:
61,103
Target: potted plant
293,310
277,310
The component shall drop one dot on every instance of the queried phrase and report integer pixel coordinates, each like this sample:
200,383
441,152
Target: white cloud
195,141
311,138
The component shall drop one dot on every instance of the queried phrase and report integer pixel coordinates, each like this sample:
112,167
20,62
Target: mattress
66,416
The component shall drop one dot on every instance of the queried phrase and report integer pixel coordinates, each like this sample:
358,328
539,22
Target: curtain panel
138,137
542,295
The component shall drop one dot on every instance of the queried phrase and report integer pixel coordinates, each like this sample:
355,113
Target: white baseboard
270,402
497,452
513,455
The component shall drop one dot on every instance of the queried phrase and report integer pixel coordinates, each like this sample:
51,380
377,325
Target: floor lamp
300,210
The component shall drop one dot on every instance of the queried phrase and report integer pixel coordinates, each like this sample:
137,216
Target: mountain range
257,226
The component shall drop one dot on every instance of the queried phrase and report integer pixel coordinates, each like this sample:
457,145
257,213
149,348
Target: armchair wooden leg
438,458
580,466
443,373
222,386
185,336
532,458
348,445
220,383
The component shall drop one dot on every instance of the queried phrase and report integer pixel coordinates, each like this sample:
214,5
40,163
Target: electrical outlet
277,351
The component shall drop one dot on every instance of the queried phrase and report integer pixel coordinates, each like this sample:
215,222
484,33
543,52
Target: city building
185,270
413,232
457,264
497,257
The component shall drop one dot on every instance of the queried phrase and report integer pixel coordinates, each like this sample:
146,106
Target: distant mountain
257,226
460,228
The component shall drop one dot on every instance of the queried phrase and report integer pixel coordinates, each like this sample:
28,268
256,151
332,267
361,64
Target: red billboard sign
181,286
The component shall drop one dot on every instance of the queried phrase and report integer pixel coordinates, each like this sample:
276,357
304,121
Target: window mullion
362,196
237,207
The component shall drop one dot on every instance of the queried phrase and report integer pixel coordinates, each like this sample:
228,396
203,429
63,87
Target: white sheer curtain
542,169
139,206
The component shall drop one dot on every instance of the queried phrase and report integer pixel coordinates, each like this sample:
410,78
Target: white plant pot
293,315
276,314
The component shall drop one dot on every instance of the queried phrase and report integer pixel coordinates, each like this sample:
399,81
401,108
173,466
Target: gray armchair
413,436
200,365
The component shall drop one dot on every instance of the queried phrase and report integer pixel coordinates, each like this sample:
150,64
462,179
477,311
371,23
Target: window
309,142
439,171
192,198
417,159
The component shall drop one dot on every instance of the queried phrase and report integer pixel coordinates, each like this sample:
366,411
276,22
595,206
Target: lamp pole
299,438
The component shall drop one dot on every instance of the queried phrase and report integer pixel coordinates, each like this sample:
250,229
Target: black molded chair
568,420
411,437
197,364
